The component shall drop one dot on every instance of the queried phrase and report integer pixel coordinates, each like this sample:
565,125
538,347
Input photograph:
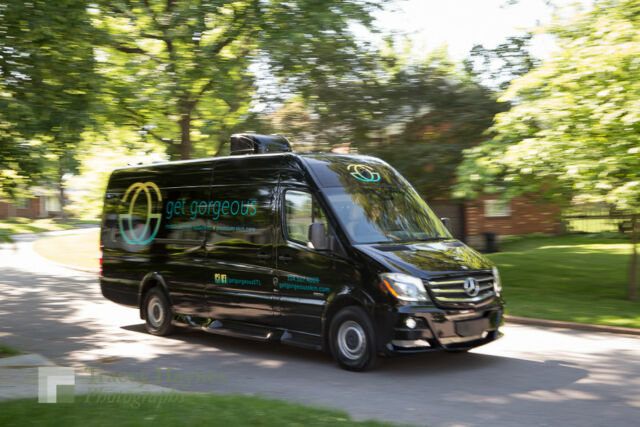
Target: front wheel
352,339
157,313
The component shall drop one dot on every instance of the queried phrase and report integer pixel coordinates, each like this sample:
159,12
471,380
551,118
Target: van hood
423,259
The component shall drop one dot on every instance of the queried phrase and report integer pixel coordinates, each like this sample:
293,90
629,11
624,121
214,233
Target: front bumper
437,329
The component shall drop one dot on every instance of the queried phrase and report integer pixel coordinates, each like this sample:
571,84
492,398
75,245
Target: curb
28,360
571,325
72,267
69,267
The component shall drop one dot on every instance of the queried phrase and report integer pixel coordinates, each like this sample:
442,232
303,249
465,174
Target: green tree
499,66
46,87
99,153
573,132
442,113
417,116
184,72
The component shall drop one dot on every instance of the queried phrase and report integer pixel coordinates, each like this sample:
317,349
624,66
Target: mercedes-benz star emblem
471,287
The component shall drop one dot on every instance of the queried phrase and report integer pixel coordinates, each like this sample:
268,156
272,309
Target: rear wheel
352,339
157,312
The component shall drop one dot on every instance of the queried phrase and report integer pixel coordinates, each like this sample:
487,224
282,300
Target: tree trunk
632,291
61,193
185,136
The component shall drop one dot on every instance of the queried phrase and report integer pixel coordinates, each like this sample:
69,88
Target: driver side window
301,210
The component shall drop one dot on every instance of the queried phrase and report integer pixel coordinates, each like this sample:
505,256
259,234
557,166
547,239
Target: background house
472,219
43,204
442,142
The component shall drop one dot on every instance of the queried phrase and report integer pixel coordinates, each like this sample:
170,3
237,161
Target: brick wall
31,210
526,216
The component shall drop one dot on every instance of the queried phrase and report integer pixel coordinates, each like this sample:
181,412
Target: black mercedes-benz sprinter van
322,251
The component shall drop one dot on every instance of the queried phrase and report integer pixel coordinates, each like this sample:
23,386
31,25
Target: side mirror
318,237
446,222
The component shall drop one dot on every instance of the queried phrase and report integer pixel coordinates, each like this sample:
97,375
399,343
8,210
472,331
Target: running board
250,331
229,328
308,341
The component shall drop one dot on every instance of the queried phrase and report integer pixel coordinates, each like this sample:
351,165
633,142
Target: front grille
450,291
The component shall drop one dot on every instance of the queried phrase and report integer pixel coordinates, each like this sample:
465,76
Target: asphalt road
534,376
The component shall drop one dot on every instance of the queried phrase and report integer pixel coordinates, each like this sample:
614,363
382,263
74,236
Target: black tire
352,339
157,313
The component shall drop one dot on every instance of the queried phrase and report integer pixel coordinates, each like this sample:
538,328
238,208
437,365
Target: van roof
309,155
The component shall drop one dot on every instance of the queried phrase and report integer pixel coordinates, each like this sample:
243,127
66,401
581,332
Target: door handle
264,256
285,258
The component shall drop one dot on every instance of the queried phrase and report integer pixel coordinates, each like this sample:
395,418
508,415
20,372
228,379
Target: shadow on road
64,316
445,372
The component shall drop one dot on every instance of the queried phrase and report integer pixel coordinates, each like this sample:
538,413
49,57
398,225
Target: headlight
497,284
404,287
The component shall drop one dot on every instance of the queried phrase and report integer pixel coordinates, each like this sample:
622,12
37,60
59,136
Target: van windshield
383,214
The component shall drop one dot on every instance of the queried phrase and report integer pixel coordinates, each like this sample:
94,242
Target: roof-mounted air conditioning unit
251,143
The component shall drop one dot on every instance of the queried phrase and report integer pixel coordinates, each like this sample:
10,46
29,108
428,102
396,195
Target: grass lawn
170,410
79,250
579,278
8,351
28,225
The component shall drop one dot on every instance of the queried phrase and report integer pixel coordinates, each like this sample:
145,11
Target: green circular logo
152,196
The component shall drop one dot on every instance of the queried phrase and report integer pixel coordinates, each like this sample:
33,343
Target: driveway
534,376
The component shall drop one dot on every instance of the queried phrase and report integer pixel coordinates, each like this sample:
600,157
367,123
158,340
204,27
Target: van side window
301,210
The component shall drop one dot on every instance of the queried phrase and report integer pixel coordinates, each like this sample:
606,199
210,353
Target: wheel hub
352,340
155,312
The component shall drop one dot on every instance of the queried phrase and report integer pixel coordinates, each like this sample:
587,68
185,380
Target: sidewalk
25,243
19,380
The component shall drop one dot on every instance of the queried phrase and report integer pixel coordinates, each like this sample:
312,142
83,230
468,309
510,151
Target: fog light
410,322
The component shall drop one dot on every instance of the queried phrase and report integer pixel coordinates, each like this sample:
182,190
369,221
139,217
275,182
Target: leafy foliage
181,73
574,129
499,66
448,113
184,71
417,116
46,88
98,154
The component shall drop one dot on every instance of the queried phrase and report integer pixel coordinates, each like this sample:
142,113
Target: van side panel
119,281
240,249
148,226
307,279
178,249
